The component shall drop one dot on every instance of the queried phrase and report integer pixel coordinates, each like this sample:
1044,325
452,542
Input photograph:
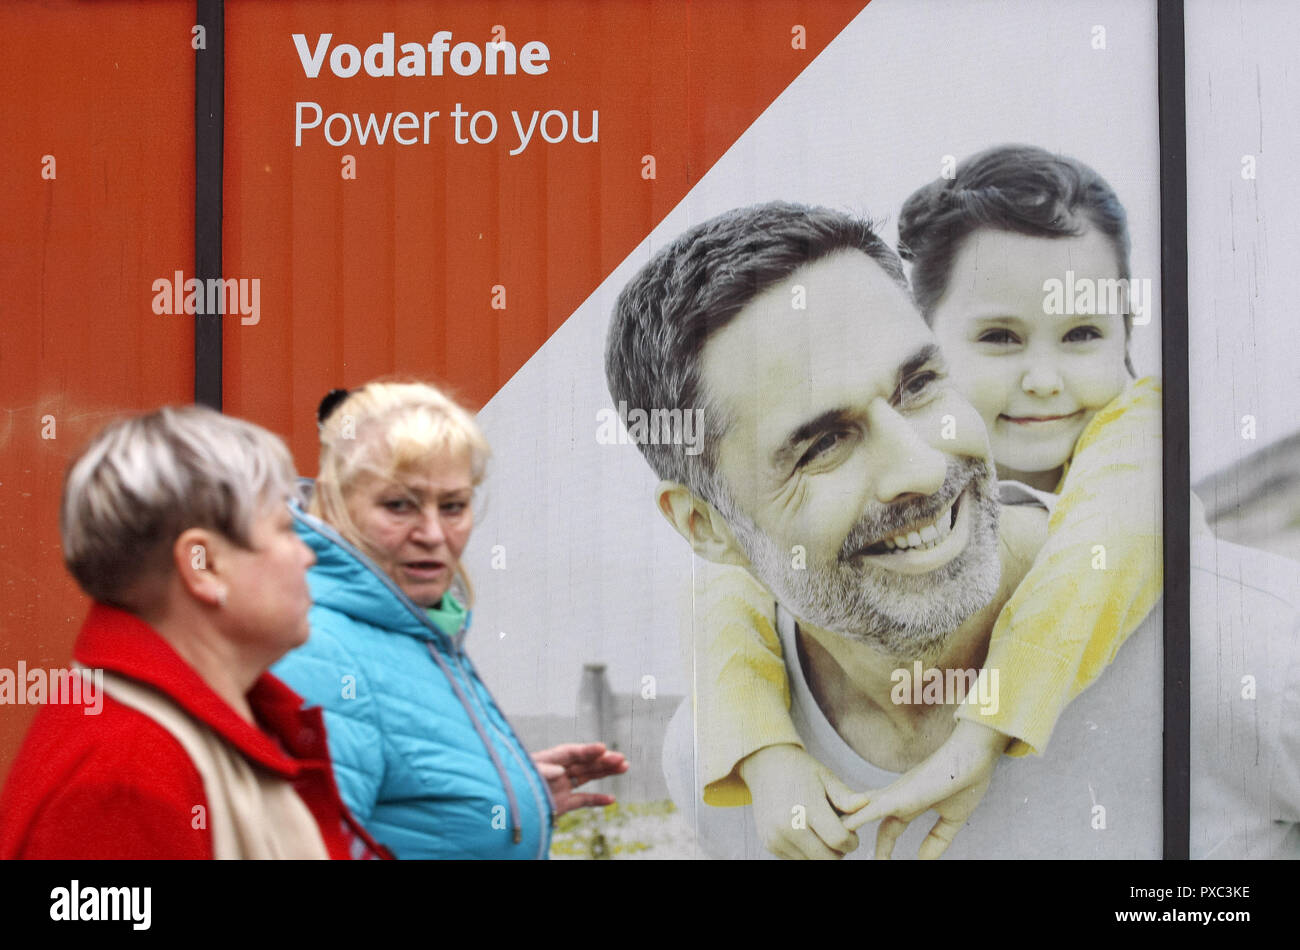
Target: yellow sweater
1097,576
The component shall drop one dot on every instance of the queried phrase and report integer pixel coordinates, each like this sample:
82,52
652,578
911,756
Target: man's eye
998,337
916,386
819,448
1082,334
919,383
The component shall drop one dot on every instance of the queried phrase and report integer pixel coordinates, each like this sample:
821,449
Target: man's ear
196,556
699,523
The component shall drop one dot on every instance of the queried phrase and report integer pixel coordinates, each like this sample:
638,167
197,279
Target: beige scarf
251,812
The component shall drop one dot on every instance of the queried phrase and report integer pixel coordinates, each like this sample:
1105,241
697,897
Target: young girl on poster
1053,384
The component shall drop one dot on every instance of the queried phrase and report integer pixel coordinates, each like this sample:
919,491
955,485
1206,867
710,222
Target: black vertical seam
209,118
1172,66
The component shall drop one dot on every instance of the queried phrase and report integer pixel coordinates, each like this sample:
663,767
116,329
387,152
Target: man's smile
923,546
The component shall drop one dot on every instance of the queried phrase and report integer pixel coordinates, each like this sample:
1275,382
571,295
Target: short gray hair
145,479
694,288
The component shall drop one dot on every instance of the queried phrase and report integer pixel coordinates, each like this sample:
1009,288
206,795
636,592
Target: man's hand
952,781
565,767
798,803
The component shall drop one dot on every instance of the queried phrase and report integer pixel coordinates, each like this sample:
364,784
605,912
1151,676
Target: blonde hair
385,429
145,479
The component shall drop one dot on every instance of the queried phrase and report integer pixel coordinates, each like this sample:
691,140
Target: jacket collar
346,580
117,641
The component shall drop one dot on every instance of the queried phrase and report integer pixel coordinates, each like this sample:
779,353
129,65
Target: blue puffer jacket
422,755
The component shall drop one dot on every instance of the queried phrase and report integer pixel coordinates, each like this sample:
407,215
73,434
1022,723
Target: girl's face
1036,376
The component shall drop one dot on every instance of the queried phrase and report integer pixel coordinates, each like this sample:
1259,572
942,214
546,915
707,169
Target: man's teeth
925,537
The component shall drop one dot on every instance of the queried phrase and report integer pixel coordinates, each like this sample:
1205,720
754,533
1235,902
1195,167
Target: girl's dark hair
1017,188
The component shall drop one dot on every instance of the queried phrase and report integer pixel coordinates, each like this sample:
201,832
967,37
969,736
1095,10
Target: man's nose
904,463
1041,378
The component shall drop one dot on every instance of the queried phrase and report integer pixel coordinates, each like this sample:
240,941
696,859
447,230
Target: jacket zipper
528,768
516,824
328,532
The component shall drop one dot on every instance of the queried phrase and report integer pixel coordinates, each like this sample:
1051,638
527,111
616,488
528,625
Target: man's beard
909,616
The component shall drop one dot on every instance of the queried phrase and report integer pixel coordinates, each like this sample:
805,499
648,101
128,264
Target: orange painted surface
393,272
107,89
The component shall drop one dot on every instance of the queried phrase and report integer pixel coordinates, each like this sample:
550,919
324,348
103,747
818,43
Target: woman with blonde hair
175,523
423,755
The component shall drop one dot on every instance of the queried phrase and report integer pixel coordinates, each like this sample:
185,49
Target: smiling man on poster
830,426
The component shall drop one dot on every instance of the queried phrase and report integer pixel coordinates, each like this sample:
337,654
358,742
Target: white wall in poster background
1243,232
593,573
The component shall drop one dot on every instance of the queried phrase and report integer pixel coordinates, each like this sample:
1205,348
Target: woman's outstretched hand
567,766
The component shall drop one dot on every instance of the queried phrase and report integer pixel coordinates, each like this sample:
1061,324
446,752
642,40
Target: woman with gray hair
175,523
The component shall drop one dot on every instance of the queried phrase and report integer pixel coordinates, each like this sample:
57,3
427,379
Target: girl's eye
397,505
1082,334
454,508
998,337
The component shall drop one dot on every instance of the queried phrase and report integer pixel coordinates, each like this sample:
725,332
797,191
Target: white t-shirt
1097,793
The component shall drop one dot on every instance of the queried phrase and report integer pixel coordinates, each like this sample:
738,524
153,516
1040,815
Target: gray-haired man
829,426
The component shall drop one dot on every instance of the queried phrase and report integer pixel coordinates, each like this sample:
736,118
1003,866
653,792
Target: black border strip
1172,68
209,120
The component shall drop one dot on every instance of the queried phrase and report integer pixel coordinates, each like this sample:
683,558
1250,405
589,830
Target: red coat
118,785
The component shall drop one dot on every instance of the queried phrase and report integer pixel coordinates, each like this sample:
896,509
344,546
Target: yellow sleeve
1096,578
742,693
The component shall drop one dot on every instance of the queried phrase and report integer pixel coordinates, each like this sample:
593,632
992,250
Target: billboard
758,484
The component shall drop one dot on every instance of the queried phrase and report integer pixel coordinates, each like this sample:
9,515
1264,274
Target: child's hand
952,781
798,803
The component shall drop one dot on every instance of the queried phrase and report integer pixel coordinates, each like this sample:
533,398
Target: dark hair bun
332,400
